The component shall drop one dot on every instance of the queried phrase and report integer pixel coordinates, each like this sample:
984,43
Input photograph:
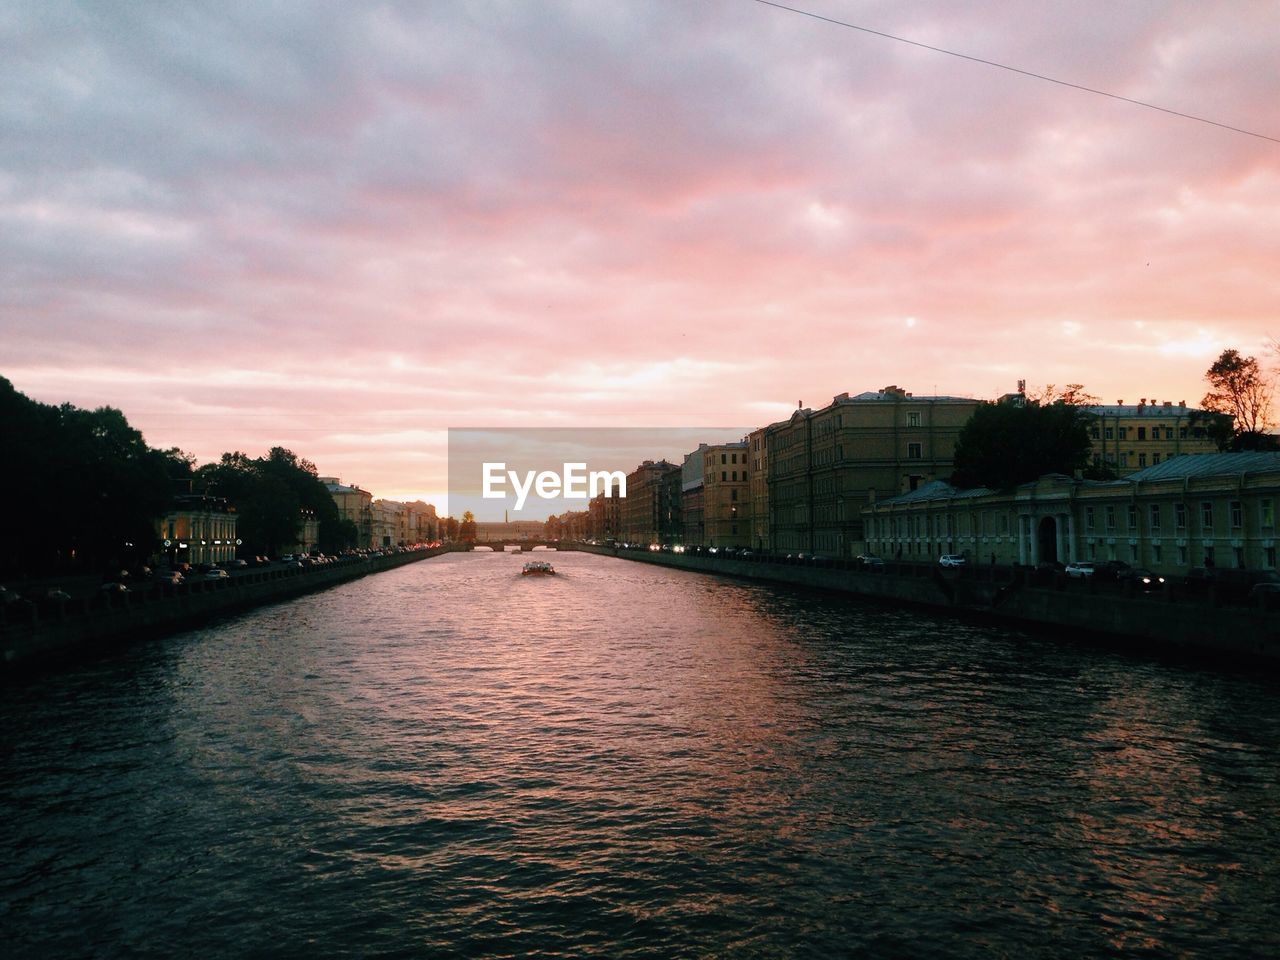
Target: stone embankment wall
1167,617
58,631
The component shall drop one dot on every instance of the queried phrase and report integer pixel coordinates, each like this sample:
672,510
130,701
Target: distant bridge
499,546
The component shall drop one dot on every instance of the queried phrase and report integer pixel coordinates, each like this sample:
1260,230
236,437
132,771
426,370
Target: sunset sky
344,228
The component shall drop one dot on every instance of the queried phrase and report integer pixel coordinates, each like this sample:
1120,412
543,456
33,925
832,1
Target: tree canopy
1239,389
84,488
271,494
1003,445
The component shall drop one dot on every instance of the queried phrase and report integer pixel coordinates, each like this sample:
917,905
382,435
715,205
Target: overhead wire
1018,70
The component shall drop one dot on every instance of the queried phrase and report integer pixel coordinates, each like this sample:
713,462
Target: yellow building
1193,510
726,494
825,465
1131,437
355,505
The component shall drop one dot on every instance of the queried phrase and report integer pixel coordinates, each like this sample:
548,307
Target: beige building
1182,513
355,505
1131,437
726,494
826,465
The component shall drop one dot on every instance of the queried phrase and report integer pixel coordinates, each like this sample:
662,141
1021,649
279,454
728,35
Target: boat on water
537,568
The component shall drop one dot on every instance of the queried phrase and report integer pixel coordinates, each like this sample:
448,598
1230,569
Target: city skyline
347,232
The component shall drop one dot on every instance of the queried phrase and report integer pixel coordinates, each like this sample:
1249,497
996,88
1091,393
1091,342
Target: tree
1073,395
1003,445
1239,390
84,487
467,529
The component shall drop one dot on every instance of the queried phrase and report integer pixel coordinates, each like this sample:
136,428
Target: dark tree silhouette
1004,445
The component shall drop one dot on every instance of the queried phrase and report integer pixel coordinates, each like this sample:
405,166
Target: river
450,760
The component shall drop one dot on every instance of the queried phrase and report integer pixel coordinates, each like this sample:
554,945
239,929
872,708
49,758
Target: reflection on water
454,760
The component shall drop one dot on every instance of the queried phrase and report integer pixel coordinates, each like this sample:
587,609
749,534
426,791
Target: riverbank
56,632
1015,596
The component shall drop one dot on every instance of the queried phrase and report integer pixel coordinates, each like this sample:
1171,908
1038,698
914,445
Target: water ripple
447,760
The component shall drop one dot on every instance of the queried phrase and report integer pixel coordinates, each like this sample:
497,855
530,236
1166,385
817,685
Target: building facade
604,516
825,466
1131,437
726,494
651,511
758,486
355,505
692,499
1194,510
197,529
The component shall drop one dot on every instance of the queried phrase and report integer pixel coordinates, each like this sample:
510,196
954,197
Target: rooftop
1209,465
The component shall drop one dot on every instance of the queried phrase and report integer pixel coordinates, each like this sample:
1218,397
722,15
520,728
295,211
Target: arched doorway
1047,540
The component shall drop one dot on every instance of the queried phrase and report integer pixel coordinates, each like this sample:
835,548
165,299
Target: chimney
1183,404
1168,404
1119,403
841,396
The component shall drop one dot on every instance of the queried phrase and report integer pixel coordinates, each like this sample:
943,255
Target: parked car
868,562
1079,569
216,573
951,560
1270,586
1110,569
169,577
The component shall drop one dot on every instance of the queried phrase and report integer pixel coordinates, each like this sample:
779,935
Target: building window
724,476
1109,433
1155,518
1124,459
913,418
1142,459
1268,510
1142,433
1124,433
915,451
733,494
1182,433
1206,514
724,458
1155,553
1237,554
1133,516
1180,516
1270,553
1093,432
1088,518
1168,433
1111,517
1237,514
1209,561
1155,458
1182,556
